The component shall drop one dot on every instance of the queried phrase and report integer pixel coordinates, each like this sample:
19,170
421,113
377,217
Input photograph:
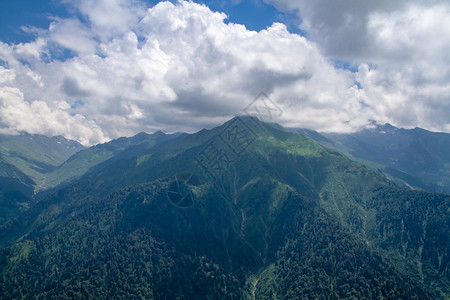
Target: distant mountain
99,156
415,157
16,190
24,162
241,211
41,165
36,155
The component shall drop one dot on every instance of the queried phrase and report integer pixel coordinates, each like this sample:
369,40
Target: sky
97,70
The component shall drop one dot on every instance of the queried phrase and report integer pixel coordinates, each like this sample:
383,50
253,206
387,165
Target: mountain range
25,161
416,158
246,210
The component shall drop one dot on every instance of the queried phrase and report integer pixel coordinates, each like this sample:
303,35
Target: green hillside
16,190
36,155
242,211
25,161
416,158
97,157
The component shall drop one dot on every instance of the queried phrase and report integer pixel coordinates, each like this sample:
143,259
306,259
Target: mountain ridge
415,158
280,200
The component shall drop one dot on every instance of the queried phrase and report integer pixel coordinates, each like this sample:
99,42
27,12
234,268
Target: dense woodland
289,219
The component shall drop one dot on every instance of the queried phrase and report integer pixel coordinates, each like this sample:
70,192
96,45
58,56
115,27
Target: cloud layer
400,49
181,67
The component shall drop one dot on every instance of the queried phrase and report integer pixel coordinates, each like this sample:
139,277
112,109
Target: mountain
16,190
242,211
97,157
24,162
33,166
414,157
35,155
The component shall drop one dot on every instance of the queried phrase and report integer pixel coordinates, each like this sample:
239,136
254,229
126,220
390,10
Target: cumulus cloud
399,47
62,31
109,18
344,28
181,67
17,115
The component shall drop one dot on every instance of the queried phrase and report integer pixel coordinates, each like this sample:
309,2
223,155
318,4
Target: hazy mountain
35,155
31,164
25,161
244,210
16,190
417,157
99,156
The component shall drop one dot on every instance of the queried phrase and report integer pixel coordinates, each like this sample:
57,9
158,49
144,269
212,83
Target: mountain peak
159,133
253,122
388,126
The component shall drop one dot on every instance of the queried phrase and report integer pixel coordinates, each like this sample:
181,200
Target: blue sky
14,14
17,13
96,70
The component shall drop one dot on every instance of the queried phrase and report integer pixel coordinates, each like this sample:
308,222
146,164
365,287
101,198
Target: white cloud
407,44
109,18
17,115
71,34
180,67
6,75
412,78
